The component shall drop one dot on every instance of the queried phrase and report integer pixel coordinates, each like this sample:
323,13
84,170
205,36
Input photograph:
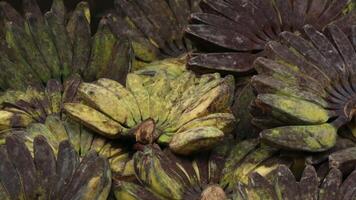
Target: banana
251,162
237,153
292,109
131,191
121,62
27,51
70,88
195,102
11,96
143,50
174,67
106,150
20,74
222,121
153,172
195,139
226,87
98,144
94,119
62,42
81,10
14,119
119,163
178,86
55,126
200,106
35,103
134,83
342,159
8,13
267,168
41,35
95,184
123,94
172,107
37,129
74,133
86,140
53,92
107,102
78,29
313,138
207,78
31,6
246,157
101,52
177,108
181,85
84,7
157,90
58,9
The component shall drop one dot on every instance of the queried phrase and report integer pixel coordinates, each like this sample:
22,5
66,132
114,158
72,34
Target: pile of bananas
178,100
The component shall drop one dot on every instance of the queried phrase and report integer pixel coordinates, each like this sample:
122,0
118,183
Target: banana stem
213,192
146,132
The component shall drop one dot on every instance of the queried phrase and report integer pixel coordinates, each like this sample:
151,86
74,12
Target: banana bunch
20,108
310,186
186,112
305,95
245,170
37,111
247,157
163,175
155,28
253,158
38,47
234,33
83,141
342,156
51,175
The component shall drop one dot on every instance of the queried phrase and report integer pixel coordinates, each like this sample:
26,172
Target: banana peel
93,119
312,138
